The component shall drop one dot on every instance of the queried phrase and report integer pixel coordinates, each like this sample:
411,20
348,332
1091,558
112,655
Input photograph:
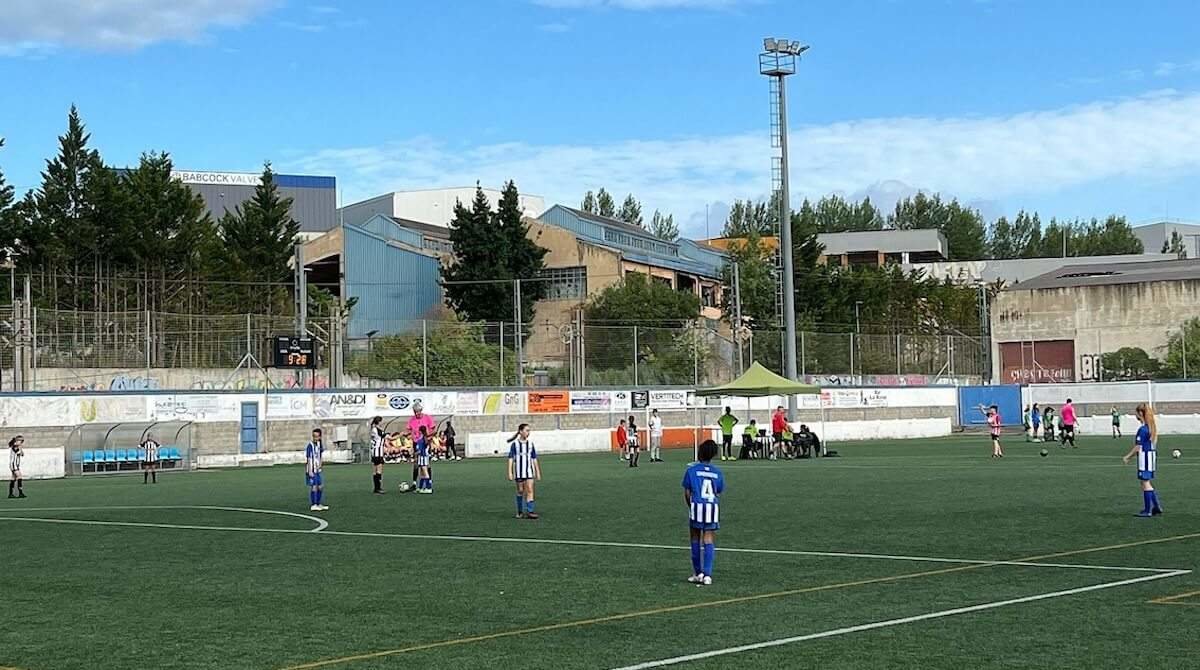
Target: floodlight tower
777,61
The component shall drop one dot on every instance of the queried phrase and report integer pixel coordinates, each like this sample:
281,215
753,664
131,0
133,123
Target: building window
565,283
708,295
434,244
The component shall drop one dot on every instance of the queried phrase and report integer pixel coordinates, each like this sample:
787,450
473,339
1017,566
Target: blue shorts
700,525
312,480
1145,475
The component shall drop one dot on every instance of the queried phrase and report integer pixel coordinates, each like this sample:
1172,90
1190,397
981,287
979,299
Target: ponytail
517,434
1147,414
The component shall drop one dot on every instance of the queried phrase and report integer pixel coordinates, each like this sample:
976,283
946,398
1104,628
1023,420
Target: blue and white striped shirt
314,457
1147,456
523,456
422,449
704,484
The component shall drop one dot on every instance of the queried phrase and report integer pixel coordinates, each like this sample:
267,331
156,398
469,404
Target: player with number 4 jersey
703,484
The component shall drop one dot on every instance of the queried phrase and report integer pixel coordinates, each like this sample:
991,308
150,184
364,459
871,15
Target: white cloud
33,27
1168,68
974,159
642,5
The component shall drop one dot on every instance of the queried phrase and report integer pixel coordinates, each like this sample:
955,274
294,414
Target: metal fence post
635,356
502,354
803,357
898,354
249,350
696,355
425,353
33,343
150,343
1183,347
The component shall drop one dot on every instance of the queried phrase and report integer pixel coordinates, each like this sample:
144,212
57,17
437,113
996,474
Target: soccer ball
1176,454
405,487
1045,453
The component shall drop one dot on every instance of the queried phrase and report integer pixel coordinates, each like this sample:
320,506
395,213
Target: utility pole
520,339
738,325
778,61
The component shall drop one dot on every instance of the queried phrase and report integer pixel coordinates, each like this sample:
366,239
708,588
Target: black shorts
778,437
1068,430
377,460
149,464
727,440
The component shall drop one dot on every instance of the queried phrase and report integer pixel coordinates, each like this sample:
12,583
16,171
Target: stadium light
769,44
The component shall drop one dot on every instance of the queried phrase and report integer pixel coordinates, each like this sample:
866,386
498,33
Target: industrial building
314,198
1016,270
391,267
431,206
1054,328
1155,234
873,247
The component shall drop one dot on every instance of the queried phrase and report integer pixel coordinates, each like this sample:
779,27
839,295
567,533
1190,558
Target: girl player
150,460
703,484
523,468
16,452
377,454
632,437
423,449
1147,457
993,420
1116,422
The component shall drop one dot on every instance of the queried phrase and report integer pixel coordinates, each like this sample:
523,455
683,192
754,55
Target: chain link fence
67,350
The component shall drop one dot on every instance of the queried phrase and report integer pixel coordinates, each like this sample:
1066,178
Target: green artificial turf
97,596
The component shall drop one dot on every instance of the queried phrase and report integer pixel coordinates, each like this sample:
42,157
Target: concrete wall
1097,319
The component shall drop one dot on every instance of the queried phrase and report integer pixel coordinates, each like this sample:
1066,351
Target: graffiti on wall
117,383
825,381
260,384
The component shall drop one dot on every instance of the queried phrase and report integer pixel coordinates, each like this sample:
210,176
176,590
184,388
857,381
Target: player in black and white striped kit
15,453
377,453
149,460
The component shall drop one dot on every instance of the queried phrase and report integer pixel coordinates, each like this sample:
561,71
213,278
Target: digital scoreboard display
295,353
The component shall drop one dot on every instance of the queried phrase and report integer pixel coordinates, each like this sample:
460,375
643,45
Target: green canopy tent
758,382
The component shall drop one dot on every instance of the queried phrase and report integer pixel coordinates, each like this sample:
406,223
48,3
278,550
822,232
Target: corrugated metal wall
395,287
314,206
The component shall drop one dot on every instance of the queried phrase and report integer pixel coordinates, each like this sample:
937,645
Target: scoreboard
296,353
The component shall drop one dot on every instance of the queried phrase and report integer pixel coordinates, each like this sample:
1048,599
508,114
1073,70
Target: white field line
896,622
322,525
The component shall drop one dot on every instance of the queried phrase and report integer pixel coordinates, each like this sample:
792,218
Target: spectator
448,435
749,440
808,443
779,422
727,422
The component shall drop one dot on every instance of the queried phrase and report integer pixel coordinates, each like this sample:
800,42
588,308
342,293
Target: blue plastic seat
110,456
87,457
122,457
175,455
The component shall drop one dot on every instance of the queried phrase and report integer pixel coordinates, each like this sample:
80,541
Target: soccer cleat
519,516
1157,511
314,508
11,495
696,579
323,507
532,515
707,581
21,494
1144,514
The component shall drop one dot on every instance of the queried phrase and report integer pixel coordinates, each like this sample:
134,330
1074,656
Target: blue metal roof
305,181
636,244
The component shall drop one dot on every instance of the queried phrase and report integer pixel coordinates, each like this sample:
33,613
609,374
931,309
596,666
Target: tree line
97,238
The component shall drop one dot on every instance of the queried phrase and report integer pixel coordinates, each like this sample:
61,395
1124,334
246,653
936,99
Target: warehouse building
314,198
431,206
874,248
1055,328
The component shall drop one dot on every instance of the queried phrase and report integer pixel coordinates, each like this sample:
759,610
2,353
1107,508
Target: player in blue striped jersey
702,487
314,464
1147,459
523,468
424,473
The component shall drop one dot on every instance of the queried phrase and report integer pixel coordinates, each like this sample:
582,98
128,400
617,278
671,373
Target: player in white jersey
149,459
377,453
16,451
314,464
523,468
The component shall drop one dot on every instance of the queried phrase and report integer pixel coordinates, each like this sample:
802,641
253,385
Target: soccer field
897,555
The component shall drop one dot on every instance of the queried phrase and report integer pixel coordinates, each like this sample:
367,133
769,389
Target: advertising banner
467,403
199,408
621,401
591,402
669,399
639,399
549,402
507,402
342,405
34,412
289,406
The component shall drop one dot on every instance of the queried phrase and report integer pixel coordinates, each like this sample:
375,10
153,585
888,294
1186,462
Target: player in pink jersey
993,421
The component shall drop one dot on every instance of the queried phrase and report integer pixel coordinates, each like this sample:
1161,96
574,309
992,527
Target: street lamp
778,61
857,336
370,354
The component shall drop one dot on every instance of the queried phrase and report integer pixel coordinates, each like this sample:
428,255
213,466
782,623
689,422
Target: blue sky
1069,108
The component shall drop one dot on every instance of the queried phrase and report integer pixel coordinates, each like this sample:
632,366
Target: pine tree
524,258
59,227
631,212
663,227
589,203
604,204
257,244
746,216
10,218
490,251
